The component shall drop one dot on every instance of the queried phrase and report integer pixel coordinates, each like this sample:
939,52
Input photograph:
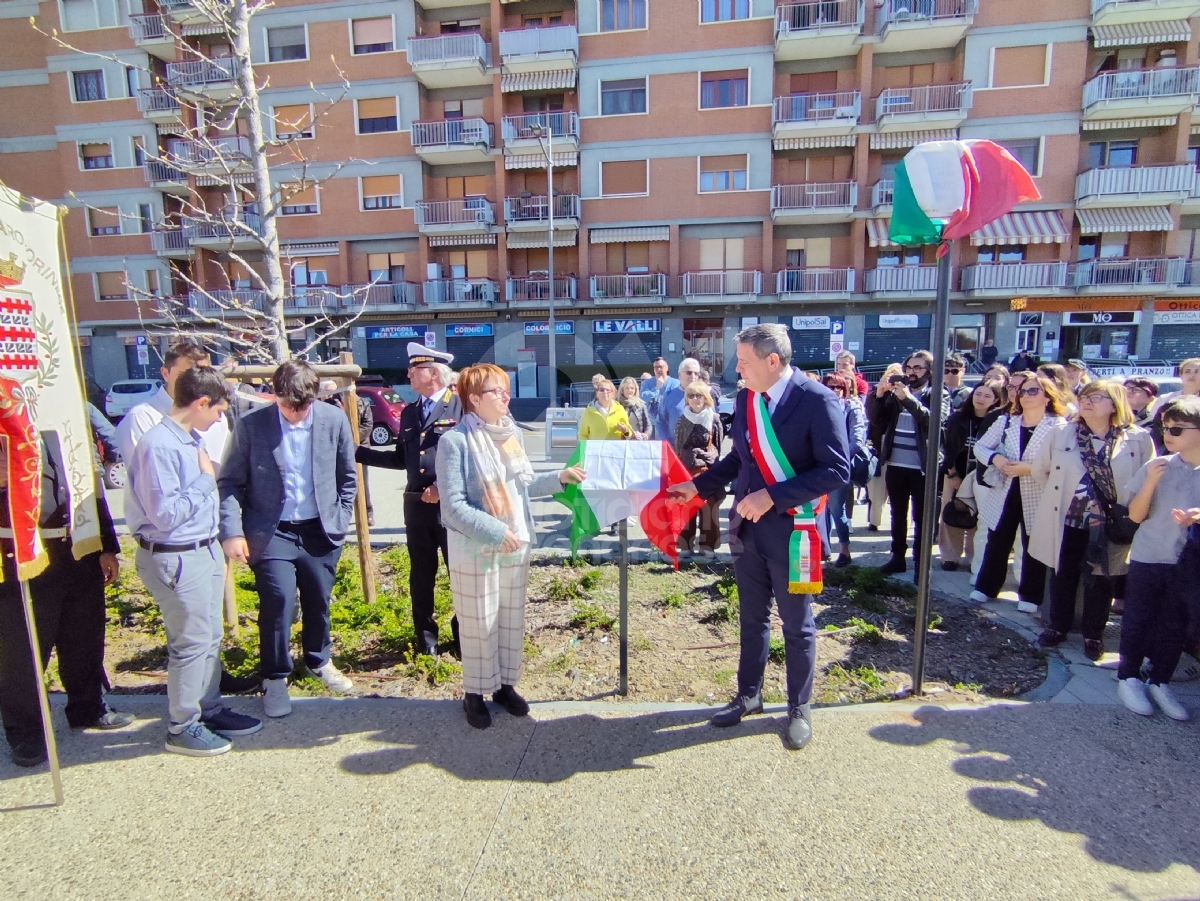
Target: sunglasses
1176,431
953,371
1029,392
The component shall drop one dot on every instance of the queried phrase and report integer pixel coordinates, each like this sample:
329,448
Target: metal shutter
627,349
468,351
1175,342
890,345
809,345
564,349
136,370
387,353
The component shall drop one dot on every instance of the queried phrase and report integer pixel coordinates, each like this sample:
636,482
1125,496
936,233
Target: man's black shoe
508,698
28,752
477,711
239,685
894,566
799,727
731,714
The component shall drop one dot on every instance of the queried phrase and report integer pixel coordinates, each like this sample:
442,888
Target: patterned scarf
499,458
1099,467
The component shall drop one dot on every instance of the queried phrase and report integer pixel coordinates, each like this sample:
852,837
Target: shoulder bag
1118,527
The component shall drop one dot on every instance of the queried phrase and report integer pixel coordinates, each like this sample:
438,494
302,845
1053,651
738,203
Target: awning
202,28
461,240
1136,33
632,233
220,181
1126,219
877,233
170,128
316,249
563,238
809,143
538,161
1106,124
537,81
1041,227
890,140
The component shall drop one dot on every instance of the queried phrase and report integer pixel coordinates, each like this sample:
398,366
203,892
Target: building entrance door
704,339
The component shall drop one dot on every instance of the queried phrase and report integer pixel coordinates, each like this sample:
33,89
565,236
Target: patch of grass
562,662
578,562
591,617
728,609
724,677
860,679
434,670
591,580
968,686
775,649
864,631
935,620
640,642
563,588
773,696
152,658
674,600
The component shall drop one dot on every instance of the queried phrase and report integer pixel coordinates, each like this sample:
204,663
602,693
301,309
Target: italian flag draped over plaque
628,478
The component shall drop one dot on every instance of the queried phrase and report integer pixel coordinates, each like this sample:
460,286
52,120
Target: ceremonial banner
40,385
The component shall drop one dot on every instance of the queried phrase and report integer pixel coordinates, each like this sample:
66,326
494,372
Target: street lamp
546,149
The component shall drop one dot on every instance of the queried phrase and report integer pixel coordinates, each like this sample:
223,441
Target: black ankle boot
477,711
508,698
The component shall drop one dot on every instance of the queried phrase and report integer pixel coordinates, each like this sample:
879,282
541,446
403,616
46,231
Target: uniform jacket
1004,438
416,448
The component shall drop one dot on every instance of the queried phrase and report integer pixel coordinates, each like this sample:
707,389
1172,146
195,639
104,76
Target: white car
123,396
725,410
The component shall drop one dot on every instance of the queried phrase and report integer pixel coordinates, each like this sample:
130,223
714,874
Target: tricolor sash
804,549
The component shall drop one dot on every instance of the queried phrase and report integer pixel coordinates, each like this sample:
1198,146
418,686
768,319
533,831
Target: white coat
1004,438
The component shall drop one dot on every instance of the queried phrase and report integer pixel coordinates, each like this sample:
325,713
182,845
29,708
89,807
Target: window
622,15
104,220
540,21
1028,152
1115,154
460,186
88,85
1108,246
152,282
1003,253
298,200
723,173
725,10
468,264
1014,67
718,89
111,286
96,156
463,26
146,218
139,153
1027,340
309,272
293,121
285,44
909,256
810,253
380,192
131,82
385,267
372,35
722,253
459,109
625,177
621,98
377,115
631,257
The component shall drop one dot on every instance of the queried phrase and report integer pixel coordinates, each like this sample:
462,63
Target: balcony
460,292
520,138
225,232
815,115
807,284
1134,276
325,299
915,281
450,60
225,302
926,107
450,141
150,33
733,283
165,177
818,29
1121,12
1140,93
881,196
532,214
171,242
1191,203
158,105
551,49
1000,279
649,287
814,202
218,157
905,25
213,80
1191,280
380,296
535,292
1134,186
464,215
190,12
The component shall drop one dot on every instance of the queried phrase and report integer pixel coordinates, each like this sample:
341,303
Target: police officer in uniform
421,425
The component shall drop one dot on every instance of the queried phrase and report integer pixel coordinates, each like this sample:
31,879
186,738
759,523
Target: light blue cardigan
461,491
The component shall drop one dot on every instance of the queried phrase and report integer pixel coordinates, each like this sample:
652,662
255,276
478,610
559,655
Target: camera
895,379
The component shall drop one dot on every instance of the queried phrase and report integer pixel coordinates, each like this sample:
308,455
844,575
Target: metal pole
40,675
623,581
929,522
549,151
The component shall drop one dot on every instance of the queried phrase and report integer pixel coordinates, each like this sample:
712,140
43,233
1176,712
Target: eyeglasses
953,371
1094,399
499,392
1030,392
604,390
1176,431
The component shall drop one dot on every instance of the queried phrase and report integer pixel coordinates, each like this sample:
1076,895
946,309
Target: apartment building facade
715,163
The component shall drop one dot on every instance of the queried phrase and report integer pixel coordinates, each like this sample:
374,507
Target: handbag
1118,527
864,466
962,511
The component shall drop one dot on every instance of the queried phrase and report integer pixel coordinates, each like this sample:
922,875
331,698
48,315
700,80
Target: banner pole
623,569
929,522
40,676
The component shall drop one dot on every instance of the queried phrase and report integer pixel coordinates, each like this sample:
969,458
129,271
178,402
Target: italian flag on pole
627,478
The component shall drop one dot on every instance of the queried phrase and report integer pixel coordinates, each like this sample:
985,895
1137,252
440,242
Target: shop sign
904,321
469,330
1106,317
625,326
810,323
395,331
1177,317
1128,370
543,328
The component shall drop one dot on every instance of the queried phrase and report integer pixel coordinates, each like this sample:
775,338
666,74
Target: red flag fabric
662,519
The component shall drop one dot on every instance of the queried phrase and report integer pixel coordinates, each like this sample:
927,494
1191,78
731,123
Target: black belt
295,525
155,547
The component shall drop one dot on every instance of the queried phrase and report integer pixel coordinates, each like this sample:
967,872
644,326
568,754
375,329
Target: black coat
959,435
698,448
416,448
885,413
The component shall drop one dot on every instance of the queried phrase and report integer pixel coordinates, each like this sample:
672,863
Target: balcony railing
225,301
1141,84
314,297
158,172
1192,276
450,48
537,209
149,27
241,227
463,211
563,124
539,41
817,15
157,100
459,290
1014,276
650,284
1122,272
380,294
226,150
902,278
1134,180
165,240
820,107
925,10
195,73
1098,5
451,132
815,196
186,5
881,192
728,281
814,281
535,289
934,98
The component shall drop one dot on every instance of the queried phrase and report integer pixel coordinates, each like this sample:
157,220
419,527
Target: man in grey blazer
287,492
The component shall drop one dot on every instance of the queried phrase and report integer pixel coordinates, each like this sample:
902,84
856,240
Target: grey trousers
189,589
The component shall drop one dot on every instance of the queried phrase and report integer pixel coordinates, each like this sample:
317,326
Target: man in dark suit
810,427
421,425
287,493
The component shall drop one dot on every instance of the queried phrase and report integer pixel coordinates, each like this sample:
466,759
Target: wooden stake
40,675
362,530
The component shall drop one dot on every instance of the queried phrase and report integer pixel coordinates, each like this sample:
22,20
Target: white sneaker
1026,607
334,679
1132,693
1167,702
979,597
276,700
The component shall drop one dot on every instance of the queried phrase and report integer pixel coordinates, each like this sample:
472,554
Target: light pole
547,151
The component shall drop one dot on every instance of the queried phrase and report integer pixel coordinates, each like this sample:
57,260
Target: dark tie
426,406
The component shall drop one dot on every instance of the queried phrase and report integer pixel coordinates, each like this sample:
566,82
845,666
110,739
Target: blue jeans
838,511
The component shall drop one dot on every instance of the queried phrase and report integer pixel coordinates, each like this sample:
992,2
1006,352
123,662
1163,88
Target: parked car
123,396
725,410
386,405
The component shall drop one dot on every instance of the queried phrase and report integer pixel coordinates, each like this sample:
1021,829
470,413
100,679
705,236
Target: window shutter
372,31
110,285
712,253
105,220
291,120
380,185
722,163
377,108
92,151
625,177
303,196
1016,66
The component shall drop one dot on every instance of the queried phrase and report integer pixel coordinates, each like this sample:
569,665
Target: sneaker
230,724
1026,607
110,719
1167,702
197,741
276,700
334,679
979,597
239,685
1132,693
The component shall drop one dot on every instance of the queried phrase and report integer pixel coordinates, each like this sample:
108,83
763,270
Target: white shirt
299,496
142,418
776,391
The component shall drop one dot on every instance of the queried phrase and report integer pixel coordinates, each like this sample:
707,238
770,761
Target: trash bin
562,432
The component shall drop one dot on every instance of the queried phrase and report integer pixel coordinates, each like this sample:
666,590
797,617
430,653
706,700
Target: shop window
380,192
722,89
372,35
622,15
623,98
286,44
723,173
